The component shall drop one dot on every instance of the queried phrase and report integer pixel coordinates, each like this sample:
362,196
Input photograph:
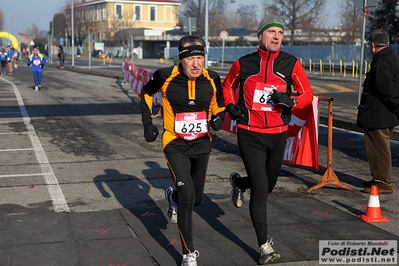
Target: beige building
118,22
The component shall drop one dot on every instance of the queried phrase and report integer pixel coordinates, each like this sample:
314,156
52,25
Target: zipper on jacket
264,82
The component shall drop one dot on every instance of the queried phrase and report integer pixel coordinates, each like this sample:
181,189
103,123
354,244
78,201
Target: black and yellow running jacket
182,95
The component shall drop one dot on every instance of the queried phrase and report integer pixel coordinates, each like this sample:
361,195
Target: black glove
234,111
28,64
216,122
41,66
282,98
150,133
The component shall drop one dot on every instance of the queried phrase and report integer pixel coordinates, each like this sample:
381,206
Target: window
105,17
168,14
137,13
98,11
87,14
152,13
118,11
93,12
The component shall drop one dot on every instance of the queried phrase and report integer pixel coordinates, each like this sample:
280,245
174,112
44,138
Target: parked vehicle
213,61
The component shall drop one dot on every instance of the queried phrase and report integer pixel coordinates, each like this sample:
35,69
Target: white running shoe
267,253
171,211
36,88
237,195
190,259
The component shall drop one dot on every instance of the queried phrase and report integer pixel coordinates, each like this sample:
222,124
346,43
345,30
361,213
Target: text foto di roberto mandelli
360,251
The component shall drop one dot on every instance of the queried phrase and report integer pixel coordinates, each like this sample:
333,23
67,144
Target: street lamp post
206,31
361,54
8,25
73,36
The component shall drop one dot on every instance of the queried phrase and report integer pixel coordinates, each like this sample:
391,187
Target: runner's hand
234,111
282,98
150,132
216,122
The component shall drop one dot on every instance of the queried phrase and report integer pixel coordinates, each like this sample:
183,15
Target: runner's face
192,66
271,39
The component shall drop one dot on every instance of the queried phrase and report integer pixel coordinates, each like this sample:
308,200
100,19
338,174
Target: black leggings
189,173
262,156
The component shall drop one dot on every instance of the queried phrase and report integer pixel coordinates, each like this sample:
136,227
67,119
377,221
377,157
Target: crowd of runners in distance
9,60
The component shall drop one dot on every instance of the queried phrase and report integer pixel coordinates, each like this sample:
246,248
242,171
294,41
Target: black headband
191,50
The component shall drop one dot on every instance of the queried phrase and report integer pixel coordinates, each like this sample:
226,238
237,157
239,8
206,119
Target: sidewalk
223,234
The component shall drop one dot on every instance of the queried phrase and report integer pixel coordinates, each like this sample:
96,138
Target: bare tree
59,25
295,14
351,21
196,8
122,30
218,24
246,15
34,30
79,20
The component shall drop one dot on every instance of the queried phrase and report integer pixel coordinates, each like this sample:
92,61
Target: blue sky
21,14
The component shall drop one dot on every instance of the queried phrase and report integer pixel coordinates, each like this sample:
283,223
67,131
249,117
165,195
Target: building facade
118,22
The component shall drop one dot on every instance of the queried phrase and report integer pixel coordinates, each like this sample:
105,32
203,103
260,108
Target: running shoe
190,259
36,88
39,85
267,253
237,195
171,211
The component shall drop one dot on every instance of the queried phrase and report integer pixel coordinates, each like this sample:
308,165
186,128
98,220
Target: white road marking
10,121
10,112
27,149
56,195
21,175
14,133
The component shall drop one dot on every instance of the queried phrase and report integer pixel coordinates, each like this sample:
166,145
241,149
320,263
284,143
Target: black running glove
41,66
216,122
28,64
282,98
150,132
234,111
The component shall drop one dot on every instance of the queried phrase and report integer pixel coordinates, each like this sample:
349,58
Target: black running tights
189,173
262,156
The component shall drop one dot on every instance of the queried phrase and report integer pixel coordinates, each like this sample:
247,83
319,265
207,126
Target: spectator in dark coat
378,109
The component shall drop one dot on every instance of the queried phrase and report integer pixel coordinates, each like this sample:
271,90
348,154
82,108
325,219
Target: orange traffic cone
373,211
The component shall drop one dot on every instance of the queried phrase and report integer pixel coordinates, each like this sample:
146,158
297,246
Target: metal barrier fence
333,68
333,60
